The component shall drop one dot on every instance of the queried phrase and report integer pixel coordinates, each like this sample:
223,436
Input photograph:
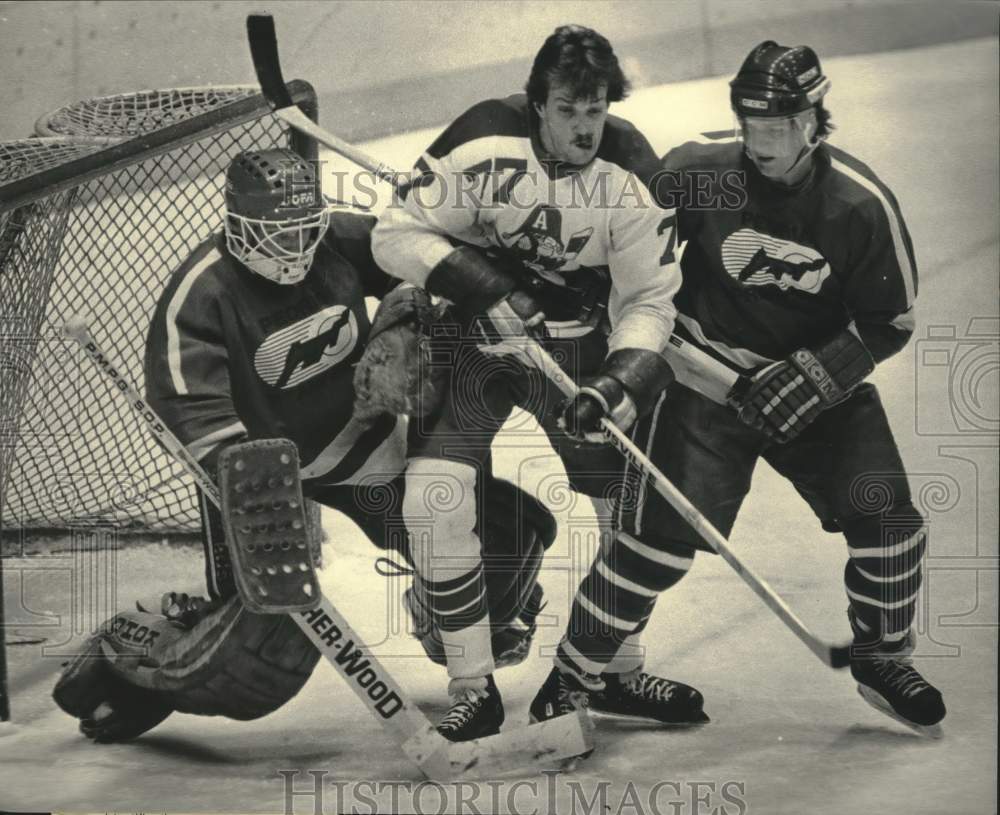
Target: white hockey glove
627,386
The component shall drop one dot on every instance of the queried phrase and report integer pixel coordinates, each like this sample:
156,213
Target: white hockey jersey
484,181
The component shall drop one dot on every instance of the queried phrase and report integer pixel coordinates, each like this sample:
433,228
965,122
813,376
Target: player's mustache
584,142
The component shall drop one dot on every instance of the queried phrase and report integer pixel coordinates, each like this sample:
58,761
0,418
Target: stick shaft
297,119
831,655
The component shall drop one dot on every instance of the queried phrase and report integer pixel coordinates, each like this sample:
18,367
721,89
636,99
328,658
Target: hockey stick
557,739
835,656
693,367
264,52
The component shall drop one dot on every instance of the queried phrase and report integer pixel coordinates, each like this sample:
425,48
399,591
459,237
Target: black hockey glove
627,386
786,397
477,284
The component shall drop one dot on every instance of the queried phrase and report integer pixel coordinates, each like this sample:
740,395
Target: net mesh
28,156
73,452
133,114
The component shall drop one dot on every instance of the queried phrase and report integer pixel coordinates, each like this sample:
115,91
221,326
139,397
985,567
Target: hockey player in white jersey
537,202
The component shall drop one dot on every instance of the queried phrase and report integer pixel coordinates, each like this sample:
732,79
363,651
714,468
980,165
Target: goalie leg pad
227,662
267,532
109,708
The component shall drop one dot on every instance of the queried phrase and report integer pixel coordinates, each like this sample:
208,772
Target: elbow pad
470,280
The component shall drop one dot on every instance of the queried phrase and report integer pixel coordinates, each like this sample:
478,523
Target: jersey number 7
668,224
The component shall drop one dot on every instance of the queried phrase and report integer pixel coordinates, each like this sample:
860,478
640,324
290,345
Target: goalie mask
774,97
275,214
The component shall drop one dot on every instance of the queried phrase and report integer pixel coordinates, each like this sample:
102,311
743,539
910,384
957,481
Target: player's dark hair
580,59
823,124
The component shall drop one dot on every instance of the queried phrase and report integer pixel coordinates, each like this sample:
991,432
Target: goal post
96,211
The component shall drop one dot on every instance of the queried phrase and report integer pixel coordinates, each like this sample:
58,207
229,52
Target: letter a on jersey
538,241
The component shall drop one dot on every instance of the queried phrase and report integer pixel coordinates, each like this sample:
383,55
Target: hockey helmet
778,80
275,213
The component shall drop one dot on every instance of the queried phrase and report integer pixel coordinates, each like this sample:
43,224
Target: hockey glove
627,386
475,283
786,397
395,374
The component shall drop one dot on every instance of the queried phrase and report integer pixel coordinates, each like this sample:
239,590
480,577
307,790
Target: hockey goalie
261,355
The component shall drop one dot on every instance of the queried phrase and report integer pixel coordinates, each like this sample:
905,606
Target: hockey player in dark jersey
538,204
256,336
804,283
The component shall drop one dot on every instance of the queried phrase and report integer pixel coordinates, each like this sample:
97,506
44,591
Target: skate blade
626,717
877,701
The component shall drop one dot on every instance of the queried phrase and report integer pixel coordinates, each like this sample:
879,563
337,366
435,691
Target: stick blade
532,747
840,656
77,327
266,64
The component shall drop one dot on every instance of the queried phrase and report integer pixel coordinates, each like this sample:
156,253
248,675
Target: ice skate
561,693
640,695
890,684
476,709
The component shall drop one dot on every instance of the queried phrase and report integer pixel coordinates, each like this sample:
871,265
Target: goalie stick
692,366
559,739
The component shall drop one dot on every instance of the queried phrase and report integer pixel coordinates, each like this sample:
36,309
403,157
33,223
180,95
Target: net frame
76,206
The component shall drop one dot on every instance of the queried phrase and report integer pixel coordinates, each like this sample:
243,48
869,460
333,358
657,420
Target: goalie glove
786,397
395,375
626,388
476,283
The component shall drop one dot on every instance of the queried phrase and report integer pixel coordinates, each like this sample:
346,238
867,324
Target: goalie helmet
778,80
275,214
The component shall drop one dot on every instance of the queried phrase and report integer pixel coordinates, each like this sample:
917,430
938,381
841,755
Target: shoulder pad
704,152
625,145
491,117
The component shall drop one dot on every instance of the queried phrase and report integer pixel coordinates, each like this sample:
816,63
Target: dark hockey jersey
231,353
767,270
485,181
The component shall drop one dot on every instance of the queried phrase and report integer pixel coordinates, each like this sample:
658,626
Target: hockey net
96,211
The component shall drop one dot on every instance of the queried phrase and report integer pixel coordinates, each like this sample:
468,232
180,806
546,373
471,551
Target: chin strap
805,152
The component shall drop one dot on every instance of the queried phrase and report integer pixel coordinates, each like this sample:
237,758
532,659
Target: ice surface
787,734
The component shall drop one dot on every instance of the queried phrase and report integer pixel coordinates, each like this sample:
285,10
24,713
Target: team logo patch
755,259
538,242
304,349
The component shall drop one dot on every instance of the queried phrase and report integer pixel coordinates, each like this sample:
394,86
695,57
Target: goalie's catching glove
786,397
395,374
626,388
